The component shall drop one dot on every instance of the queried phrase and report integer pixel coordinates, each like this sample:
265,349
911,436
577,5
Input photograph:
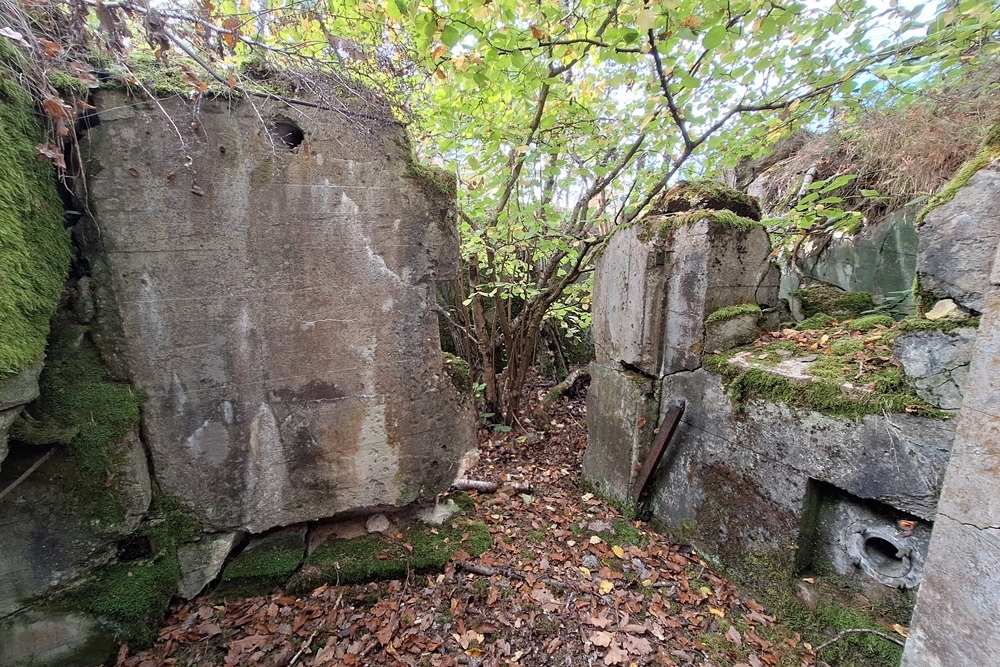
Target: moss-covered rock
34,246
706,194
833,301
82,407
869,322
132,597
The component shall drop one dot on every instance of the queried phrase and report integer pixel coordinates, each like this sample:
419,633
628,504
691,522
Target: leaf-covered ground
568,581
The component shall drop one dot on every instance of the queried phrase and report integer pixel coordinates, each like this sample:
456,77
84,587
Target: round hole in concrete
286,132
881,555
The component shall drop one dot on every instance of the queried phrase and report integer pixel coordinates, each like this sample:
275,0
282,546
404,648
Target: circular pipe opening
883,556
287,133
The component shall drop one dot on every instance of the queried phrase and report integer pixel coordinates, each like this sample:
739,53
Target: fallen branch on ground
542,411
490,487
854,631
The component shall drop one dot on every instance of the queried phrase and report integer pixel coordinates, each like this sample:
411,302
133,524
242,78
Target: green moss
458,370
825,298
826,396
815,322
868,322
34,246
438,180
772,580
920,323
80,406
729,312
707,194
133,597
268,565
423,548
662,225
67,84
989,150
846,346
464,501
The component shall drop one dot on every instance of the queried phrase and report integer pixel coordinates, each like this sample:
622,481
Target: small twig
24,475
303,649
490,487
854,631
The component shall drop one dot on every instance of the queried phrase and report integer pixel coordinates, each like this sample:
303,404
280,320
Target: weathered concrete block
46,638
958,239
655,285
954,622
712,265
277,308
630,302
201,561
743,476
622,412
725,334
938,363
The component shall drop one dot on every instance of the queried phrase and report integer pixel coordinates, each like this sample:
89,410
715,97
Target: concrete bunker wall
760,476
268,305
276,306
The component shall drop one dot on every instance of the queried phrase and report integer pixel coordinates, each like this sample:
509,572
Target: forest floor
568,581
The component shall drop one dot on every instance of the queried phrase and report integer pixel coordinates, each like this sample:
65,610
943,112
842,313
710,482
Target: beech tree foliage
563,119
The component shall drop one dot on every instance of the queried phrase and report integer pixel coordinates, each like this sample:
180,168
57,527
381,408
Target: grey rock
377,523
881,259
959,599
958,241
21,388
946,310
50,638
281,322
600,526
50,536
937,362
202,561
84,308
7,418
724,335
591,562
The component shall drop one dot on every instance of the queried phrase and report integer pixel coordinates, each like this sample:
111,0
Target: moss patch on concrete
34,246
869,322
729,312
989,150
437,180
707,194
81,407
920,323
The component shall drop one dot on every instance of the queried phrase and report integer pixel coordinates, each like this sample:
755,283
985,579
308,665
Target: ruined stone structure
261,278
959,600
761,477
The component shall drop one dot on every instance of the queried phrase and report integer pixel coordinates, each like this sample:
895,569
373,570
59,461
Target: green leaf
714,37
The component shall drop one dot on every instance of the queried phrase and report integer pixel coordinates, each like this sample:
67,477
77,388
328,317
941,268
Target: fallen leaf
605,587
734,636
601,638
